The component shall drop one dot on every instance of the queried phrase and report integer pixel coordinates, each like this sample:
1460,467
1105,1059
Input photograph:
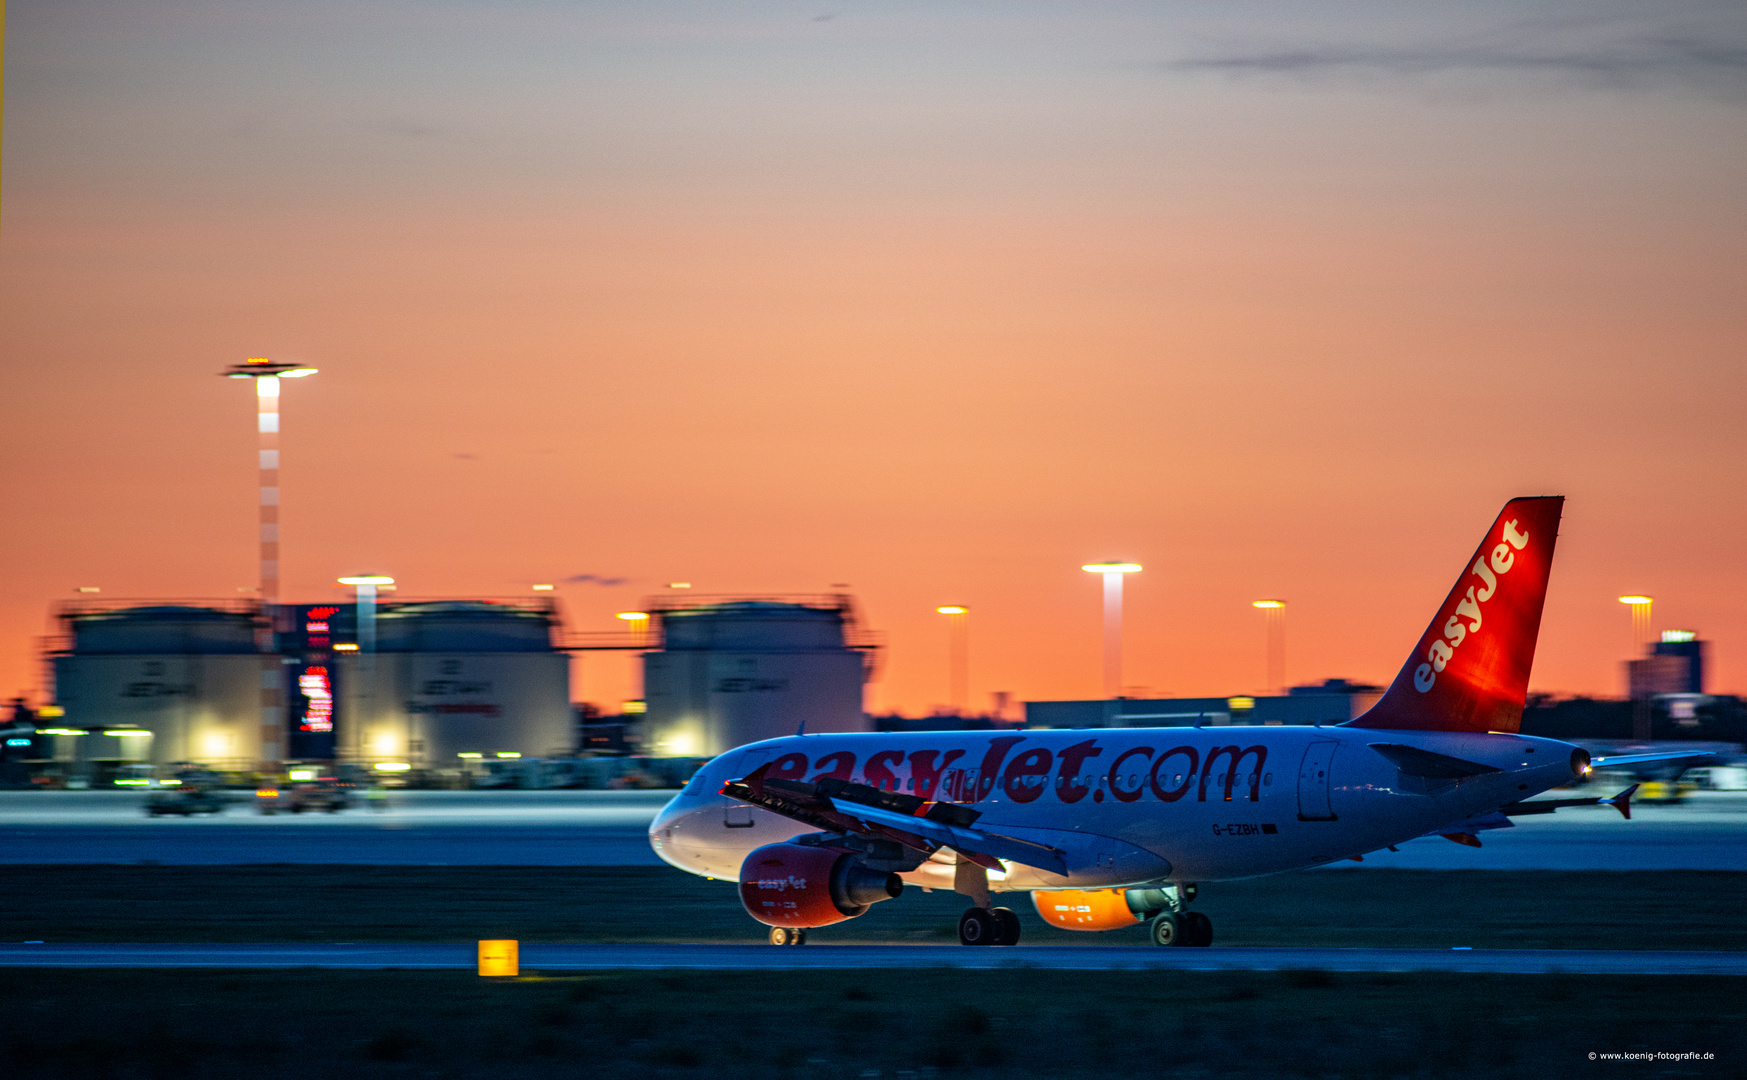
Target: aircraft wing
917,823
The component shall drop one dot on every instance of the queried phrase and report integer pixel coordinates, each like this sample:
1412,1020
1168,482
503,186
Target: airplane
1117,827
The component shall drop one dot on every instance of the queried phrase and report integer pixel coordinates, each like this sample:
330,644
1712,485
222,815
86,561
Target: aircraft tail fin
1470,670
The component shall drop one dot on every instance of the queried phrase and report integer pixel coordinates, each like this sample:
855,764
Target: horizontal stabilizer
1671,757
1621,802
1416,762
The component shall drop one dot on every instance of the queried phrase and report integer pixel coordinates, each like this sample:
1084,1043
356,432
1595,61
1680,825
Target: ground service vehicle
185,800
1116,827
303,796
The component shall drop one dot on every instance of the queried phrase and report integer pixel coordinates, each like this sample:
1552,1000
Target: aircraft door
736,814
1313,781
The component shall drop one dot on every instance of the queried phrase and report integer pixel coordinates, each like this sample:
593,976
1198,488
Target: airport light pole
1640,605
266,375
639,621
1275,614
958,654
1113,573
364,588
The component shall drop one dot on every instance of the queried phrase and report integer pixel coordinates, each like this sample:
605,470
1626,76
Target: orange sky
941,301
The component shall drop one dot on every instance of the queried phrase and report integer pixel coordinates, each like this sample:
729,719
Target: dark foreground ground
1700,910
874,1024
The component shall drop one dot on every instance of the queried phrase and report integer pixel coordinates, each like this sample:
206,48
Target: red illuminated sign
318,696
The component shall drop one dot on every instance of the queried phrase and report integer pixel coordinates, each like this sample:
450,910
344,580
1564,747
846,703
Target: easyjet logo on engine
782,884
1467,620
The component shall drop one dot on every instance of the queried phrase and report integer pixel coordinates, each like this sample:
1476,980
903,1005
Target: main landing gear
1189,928
988,926
1175,924
787,935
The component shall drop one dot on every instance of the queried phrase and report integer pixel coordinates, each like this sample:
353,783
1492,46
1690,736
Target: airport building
1332,702
438,683
725,671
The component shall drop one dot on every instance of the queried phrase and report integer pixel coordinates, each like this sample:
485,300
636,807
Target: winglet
1623,802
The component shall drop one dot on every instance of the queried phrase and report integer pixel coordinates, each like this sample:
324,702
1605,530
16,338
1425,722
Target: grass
891,1024
1387,908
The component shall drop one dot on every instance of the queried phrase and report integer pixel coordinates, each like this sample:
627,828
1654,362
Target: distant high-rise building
1674,665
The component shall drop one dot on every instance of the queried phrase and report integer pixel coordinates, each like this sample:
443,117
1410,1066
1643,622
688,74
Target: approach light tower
267,375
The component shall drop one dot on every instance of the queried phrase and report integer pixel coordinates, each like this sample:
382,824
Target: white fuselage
1130,805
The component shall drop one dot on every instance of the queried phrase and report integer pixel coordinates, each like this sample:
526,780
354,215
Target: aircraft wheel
784,935
1197,929
976,927
1006,926
1167,929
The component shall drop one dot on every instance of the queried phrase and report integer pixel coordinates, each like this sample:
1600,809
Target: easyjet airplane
1115,827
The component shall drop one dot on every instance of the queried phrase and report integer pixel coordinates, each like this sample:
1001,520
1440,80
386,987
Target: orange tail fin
1470,670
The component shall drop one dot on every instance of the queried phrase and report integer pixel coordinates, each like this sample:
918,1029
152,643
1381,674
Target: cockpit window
696,785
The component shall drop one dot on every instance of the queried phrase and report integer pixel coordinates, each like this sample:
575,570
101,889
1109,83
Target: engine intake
801,885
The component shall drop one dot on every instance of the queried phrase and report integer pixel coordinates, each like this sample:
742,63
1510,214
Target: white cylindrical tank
737,671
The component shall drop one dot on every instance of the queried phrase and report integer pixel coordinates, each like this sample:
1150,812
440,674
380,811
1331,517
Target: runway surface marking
547,957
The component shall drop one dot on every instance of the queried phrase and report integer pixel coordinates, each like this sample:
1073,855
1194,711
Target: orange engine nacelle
1097,909
799,885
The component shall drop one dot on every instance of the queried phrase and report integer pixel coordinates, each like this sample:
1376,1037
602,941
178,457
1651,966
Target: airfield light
508,754
126,733
391,766
1113,572
958,675
542,588
1275,659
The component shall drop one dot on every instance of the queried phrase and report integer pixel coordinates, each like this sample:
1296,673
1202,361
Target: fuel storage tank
733,670
453,677
186,674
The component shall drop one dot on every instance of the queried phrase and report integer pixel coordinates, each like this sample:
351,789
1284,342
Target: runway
607,828
419,828
546,958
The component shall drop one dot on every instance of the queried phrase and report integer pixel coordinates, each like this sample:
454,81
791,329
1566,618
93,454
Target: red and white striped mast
267,375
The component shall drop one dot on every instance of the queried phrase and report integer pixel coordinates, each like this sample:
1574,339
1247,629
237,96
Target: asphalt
547,957
607,828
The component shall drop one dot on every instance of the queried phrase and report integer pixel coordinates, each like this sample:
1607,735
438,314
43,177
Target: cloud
594,579
1614,53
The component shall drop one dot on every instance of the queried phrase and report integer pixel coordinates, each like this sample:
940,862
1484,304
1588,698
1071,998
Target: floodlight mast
1112,572
266,375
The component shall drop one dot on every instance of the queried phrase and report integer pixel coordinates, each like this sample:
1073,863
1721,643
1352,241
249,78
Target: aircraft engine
1097,909
800,885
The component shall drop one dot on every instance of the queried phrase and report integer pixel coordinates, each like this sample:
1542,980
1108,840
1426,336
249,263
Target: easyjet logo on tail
1467,619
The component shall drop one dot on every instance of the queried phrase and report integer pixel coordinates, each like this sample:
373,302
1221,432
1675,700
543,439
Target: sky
935,300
